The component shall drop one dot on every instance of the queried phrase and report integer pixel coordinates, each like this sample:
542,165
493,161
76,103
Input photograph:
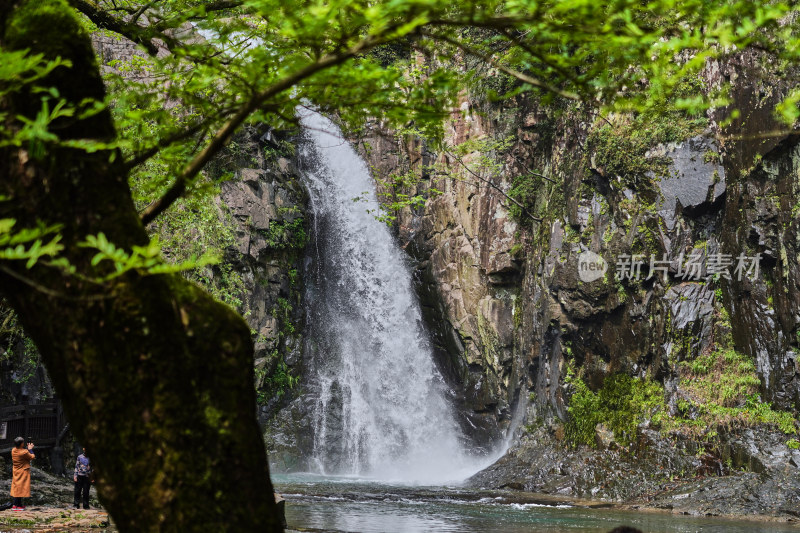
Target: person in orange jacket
21,477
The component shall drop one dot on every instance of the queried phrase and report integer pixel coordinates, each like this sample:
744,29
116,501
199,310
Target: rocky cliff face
23,378
676,208
268,206
761,215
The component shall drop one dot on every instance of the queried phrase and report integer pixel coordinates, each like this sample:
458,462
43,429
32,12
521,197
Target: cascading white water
381,410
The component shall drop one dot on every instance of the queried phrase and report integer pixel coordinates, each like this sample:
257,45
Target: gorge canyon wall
518,330
520,191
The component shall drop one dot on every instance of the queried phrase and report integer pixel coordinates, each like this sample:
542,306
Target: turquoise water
344,504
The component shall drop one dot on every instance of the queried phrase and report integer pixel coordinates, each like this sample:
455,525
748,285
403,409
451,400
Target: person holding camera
83,480
21,473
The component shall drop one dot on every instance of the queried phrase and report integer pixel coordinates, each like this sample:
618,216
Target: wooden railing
40,424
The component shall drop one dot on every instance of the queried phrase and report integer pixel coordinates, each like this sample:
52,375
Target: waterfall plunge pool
349,504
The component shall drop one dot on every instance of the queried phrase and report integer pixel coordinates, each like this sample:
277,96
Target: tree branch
533,172
511,72
497,23
198,12
522,44
164,142
139,12
493,186
105,20
50,292
224,134
222,5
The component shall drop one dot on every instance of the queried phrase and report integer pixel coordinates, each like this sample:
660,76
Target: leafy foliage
29,244
724,377
195,234
395,194
720,388
286,234
621,143
185,92
277,382
146,259
16,346
621,404
181,98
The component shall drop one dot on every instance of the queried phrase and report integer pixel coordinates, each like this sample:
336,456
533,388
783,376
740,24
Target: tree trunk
155,376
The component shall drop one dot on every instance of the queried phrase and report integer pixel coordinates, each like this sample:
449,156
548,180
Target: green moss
10,521
720,389
524,189
622,294
723,377
608,234
276,378
488,341
517,313
710,156
294,277
647,242
391,53
41,21
492,88
283,312
618,152
214,417
621,405
571,236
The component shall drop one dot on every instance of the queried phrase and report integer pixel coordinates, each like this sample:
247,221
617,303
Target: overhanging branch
222,135
530,80
493,186
164,142
107,21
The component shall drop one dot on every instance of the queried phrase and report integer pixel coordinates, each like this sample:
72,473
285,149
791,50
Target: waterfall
380,404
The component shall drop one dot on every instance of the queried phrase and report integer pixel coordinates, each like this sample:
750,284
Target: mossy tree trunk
155,376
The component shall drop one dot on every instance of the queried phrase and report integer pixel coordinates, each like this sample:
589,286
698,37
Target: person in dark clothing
83,480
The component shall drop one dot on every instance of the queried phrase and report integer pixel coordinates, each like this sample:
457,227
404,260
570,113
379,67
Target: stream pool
316,503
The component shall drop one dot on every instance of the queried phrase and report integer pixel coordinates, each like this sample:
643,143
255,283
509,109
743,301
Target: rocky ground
50,507
53,519
754,476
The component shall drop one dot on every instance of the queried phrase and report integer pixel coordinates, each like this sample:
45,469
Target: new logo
591,267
